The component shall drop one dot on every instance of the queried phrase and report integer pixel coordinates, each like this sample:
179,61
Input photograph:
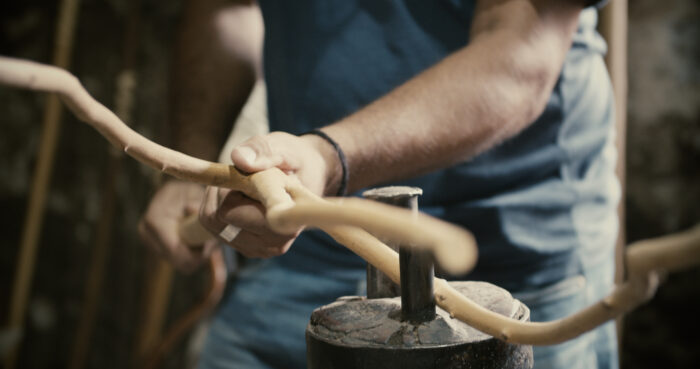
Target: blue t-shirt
541,205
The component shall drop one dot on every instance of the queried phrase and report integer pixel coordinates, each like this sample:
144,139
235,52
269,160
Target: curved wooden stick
646,260
289,205
269,186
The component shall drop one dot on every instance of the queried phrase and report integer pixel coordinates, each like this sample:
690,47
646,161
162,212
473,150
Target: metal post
416,266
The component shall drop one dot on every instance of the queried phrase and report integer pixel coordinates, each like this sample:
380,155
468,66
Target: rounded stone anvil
356,332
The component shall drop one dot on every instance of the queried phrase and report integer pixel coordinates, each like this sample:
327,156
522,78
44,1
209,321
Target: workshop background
662,195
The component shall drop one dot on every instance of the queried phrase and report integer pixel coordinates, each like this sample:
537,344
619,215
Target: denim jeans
262,319
595,349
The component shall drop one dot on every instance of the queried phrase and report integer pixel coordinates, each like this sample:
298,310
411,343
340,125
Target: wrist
335,165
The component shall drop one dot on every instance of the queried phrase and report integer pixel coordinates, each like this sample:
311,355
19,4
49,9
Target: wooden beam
156,302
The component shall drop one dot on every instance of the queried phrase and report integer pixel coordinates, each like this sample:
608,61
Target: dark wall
663,172
74,202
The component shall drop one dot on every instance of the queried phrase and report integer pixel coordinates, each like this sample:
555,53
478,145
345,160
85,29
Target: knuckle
276,247
222,193
266,146
221,215
206,218
275,251
261,144
203,218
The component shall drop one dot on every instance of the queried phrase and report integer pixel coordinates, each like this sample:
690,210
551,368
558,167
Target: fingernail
247,154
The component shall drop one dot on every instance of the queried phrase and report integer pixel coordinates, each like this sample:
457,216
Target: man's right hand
158,227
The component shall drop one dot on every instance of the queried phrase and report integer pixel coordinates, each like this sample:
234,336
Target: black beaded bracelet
341,156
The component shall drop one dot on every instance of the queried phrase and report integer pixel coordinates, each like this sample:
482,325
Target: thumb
255,155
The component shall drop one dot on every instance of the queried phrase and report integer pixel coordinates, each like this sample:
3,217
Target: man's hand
158,228
309,158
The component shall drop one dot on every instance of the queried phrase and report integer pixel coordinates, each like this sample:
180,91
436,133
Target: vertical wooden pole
42,175
613,27
156,298
217,284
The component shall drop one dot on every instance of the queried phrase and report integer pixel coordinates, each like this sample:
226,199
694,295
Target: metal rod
416,266
379,285
417,273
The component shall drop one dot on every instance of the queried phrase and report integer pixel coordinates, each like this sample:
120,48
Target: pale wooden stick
34,217
217,284
269,186
289,205
381,220
646,260
155,304
613,27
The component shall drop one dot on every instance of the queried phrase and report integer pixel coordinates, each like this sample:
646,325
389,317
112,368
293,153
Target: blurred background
95,198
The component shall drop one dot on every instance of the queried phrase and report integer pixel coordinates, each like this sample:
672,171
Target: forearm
213,71
480,95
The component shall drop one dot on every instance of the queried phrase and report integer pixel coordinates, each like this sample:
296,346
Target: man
500,110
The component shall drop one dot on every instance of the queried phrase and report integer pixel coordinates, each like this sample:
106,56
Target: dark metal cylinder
378,284
416,266
417,273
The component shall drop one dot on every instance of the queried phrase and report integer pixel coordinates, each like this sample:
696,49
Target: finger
255,155
209,248
191,208
256,246
187,259
149,239
221,194
243,212
166,236
193,199
207,211
181,256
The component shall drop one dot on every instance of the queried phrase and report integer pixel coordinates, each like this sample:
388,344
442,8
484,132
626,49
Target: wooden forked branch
290,205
